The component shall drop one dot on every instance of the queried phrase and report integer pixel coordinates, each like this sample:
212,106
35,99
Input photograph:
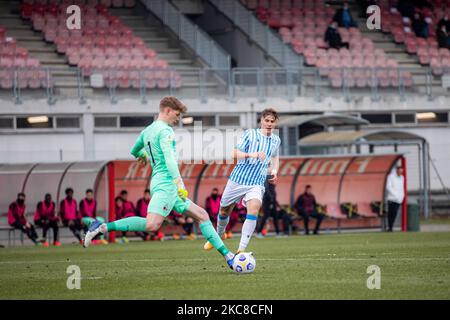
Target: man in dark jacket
343,17
420,26
269,207
444,21
443,38
333,38
306,207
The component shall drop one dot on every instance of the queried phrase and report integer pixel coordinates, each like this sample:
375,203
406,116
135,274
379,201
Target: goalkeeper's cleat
93,231
229,234
230,262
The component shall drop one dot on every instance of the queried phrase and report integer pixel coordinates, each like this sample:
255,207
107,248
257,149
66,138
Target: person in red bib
88,211
16,218
141,208
46,217
187,223
212,205
124,209
70,216
128,207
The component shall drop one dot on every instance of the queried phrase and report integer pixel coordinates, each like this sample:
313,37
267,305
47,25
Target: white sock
103,228
247,230
222,224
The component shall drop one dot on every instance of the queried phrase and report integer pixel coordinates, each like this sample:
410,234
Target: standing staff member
395,189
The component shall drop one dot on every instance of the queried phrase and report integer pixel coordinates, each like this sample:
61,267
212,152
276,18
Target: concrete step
176,55
402,56
157,45
20,33
146,33
154,39
35,44
394,50
14,25
30,37
122,11
179,62
51,63
407,64
144,28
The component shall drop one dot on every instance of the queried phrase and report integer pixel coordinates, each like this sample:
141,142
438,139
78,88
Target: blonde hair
172,103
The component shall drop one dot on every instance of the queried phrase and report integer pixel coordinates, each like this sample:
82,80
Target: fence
231,84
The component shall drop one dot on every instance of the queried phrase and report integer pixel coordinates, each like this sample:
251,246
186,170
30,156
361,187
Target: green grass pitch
413,266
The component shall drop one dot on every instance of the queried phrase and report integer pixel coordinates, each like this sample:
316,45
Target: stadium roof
349,137
326,120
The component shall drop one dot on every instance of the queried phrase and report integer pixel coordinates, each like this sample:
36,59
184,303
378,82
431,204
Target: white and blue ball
244,262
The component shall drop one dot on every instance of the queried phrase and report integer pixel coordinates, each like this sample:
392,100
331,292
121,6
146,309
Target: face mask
20,201
214,195
48,200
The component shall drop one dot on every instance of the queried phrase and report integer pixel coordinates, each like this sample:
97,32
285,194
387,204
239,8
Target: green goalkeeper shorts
165,198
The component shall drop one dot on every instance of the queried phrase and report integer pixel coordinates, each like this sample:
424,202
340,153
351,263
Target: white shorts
234,193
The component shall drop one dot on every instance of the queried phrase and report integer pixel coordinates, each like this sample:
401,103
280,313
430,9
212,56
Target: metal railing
35,79
259,32
231,84
199,41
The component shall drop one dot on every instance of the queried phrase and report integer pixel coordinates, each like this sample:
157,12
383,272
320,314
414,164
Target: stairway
166,46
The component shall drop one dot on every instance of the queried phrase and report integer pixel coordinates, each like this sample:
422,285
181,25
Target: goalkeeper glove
181,189
144,157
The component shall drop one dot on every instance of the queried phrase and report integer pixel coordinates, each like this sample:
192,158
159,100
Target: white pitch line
260,259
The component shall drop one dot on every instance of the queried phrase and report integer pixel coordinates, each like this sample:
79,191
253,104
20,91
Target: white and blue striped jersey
254,171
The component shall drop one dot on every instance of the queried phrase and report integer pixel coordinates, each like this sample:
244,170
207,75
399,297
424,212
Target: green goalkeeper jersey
158,141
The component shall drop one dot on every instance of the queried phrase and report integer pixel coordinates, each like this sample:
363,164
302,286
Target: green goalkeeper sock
128,224
211,235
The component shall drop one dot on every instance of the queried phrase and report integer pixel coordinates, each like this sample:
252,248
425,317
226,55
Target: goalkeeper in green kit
156,144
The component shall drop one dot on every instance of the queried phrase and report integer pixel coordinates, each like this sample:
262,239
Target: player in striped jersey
257,149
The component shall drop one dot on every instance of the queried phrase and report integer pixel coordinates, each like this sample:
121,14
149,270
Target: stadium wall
90,143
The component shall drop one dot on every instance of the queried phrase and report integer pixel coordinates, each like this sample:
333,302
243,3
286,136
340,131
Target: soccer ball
244,262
